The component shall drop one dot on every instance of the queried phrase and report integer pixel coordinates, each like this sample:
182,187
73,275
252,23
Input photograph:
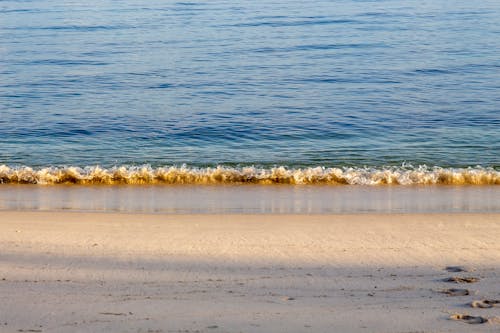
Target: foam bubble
404,175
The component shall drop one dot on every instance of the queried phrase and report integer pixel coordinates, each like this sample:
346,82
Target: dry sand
76,272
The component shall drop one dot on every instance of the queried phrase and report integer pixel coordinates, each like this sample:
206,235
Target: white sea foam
404,175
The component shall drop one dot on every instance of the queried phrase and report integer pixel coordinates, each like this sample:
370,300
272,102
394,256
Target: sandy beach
95,272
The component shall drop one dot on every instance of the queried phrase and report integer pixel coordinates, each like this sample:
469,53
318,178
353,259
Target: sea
383,98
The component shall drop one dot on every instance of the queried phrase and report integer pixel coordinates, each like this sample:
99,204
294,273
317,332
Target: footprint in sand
456,279
455,292
456,269
485,303
469,319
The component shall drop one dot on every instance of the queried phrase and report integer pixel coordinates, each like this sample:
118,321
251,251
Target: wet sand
252,199
97,272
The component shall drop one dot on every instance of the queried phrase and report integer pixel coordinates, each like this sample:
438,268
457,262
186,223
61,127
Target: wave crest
421,175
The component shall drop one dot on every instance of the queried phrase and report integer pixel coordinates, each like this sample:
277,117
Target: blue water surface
296,83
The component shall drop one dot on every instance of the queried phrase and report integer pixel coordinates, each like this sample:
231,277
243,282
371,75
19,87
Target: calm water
241,83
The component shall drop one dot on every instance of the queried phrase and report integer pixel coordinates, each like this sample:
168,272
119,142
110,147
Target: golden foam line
421,175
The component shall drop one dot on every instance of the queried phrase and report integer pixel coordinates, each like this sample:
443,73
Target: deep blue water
295,83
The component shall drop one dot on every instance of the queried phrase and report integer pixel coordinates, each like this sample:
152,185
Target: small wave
278,24
404,175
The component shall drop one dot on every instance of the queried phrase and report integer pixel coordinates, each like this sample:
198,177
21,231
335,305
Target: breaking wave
403,175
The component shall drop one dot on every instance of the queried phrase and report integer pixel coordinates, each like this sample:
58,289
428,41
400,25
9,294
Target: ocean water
330,92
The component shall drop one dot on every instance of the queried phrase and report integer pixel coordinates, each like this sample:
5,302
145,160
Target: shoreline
252,199
100,272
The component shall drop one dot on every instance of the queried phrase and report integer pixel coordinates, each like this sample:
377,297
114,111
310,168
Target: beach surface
99,272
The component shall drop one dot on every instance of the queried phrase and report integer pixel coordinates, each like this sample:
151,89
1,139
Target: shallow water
241,83
252,199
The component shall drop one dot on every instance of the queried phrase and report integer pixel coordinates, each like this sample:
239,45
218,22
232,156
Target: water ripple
239,83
